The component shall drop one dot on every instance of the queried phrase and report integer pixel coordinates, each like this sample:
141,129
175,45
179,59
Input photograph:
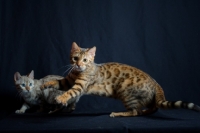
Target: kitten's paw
19,112
61,100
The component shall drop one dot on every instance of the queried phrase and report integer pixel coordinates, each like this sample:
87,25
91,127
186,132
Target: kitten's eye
23,85
84,60
30,84
75,58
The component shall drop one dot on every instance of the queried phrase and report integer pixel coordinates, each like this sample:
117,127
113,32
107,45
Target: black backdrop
160,37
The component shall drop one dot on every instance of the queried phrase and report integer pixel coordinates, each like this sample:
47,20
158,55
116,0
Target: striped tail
177,104
163,104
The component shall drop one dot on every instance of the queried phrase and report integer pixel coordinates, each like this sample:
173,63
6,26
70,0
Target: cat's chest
32,99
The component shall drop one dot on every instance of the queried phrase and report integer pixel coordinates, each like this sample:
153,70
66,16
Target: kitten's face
81,58
24,84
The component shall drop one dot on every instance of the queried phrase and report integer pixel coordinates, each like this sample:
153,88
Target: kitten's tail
163,104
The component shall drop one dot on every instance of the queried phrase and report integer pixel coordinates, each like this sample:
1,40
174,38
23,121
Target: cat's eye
84,60
23,85
75,58
30,84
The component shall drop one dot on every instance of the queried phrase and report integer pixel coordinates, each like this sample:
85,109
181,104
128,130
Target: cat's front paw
19,111
61,100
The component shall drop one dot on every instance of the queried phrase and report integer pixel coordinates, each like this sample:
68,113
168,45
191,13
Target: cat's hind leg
128,113
132,104
134,112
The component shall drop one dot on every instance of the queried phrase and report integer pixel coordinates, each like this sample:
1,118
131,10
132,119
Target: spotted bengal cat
139,92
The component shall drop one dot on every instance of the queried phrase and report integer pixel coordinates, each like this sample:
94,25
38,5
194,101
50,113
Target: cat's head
24,83
81,58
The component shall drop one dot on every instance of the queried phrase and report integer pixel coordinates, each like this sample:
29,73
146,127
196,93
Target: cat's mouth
24,91
27,91
79,68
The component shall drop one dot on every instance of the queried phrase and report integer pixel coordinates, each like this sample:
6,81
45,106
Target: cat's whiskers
20,95
71,69
17,94
63,67
67,70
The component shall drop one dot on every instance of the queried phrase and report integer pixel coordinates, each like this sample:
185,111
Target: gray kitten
29,89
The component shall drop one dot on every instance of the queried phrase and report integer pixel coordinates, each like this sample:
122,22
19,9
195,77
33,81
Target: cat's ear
92,51
31,75
17,76
75,47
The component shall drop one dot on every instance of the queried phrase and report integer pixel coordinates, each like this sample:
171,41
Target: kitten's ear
31,75
75,47
92,51
17,76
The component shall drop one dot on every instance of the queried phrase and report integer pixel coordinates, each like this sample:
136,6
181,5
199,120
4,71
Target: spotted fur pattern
139,92
29,90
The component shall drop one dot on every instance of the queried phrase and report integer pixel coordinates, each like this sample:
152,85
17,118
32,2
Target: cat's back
50,78
114,66
119,70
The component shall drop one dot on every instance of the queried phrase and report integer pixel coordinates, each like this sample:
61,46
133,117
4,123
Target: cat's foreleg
24,107
73,93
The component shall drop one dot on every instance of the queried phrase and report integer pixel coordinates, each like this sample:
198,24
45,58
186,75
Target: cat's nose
78,66
27,88
79,63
